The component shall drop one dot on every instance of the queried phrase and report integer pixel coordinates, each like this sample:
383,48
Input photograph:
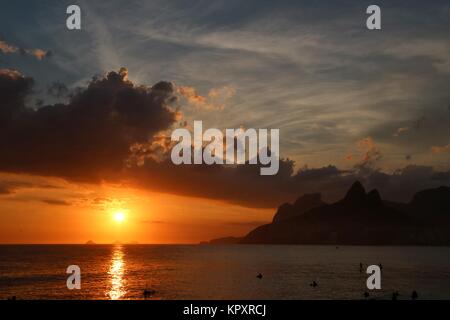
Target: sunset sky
85,115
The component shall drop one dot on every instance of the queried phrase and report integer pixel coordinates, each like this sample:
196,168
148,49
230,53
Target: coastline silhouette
360,218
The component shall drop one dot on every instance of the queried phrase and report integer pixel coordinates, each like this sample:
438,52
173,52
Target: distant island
360,218
90,242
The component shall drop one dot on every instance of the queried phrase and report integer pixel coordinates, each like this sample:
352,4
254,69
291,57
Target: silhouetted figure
148,293
414,295
360,267
313,284
259,276
395,295
12,298
366,295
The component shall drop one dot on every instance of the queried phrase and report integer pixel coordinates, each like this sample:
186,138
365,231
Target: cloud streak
55,202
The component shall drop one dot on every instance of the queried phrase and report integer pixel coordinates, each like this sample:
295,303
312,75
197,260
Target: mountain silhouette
360,218
356,193
300,206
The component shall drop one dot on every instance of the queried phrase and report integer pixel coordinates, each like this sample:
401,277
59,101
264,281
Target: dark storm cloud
87,138
14,88
236,184
243,185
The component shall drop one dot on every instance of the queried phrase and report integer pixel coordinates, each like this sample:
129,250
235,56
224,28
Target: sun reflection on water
116,273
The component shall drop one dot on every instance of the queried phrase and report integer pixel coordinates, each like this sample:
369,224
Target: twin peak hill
360,218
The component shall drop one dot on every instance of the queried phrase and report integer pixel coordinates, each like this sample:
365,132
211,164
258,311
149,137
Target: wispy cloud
216,99
55,202
39,54
368,153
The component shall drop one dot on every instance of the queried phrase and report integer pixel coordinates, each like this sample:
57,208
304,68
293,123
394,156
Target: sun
119,216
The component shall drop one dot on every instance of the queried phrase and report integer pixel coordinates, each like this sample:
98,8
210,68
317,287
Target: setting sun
119,216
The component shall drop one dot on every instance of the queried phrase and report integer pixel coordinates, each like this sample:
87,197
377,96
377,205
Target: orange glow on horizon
56,211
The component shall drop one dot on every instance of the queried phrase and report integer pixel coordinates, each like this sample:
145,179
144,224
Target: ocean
221,272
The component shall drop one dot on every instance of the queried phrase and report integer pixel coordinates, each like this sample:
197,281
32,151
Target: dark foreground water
221,272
